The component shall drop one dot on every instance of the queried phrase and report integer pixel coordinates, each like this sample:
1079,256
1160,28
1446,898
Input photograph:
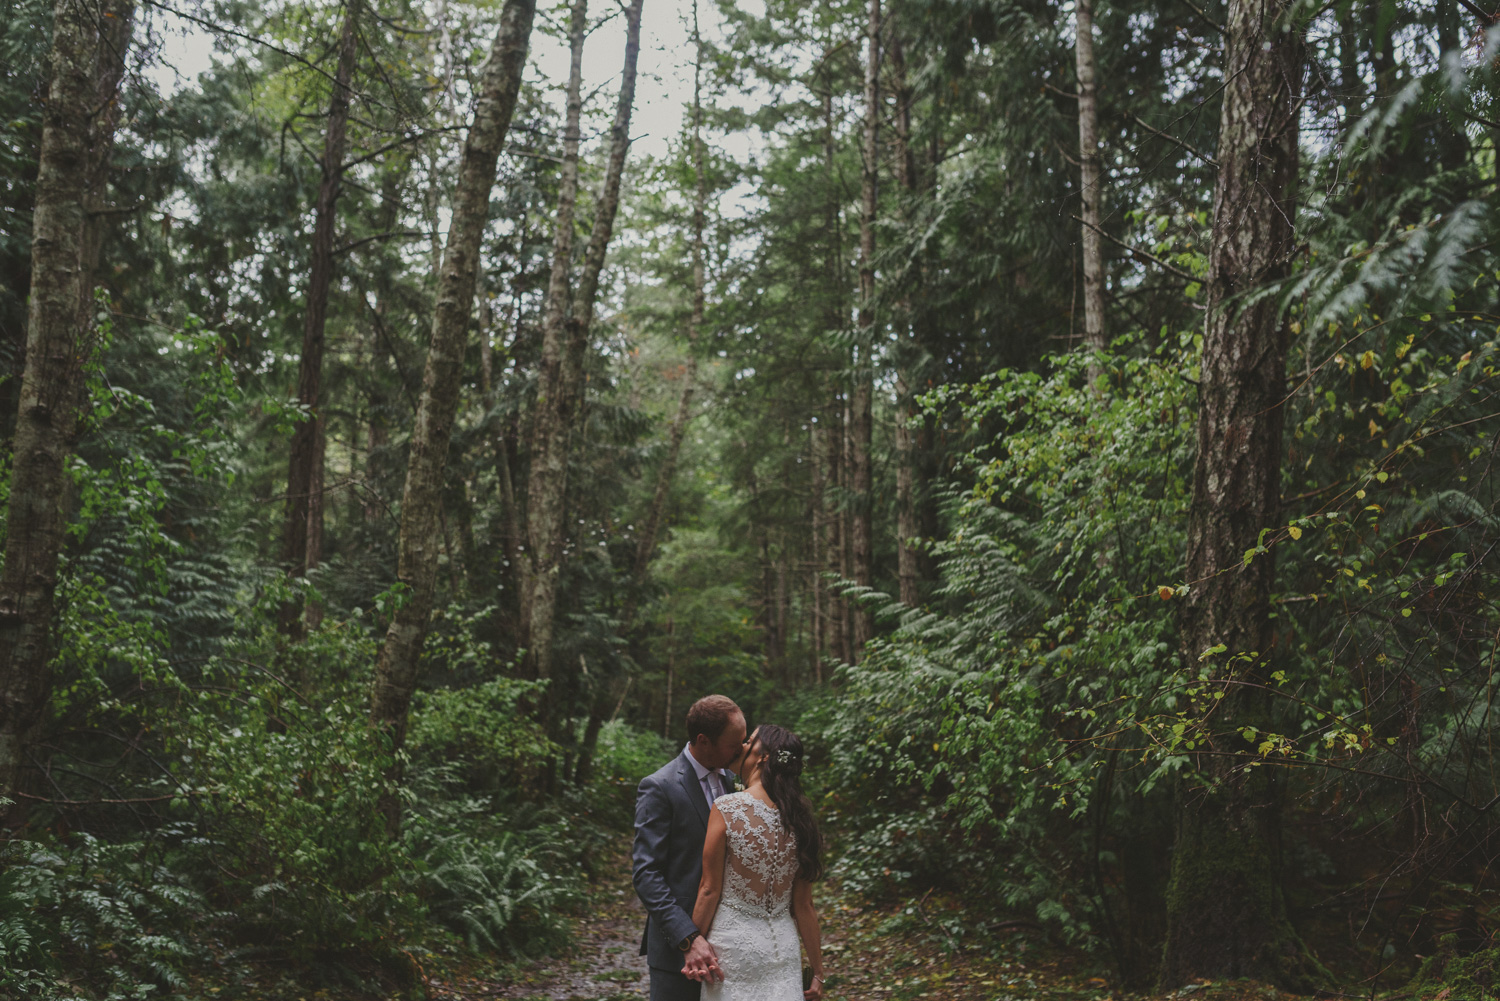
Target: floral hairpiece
785,757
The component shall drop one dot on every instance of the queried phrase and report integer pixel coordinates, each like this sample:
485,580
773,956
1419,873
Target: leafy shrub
960,745
623,756
81,911
283,789
1475,977
501,889
485,731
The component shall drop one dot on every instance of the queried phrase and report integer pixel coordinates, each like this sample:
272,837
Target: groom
671,819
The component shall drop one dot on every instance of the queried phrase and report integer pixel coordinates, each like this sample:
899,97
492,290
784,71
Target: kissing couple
726,877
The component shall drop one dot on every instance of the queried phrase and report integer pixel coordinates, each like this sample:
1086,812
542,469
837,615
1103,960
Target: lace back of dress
762,857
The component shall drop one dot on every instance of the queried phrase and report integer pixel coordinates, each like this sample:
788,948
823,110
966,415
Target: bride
760,859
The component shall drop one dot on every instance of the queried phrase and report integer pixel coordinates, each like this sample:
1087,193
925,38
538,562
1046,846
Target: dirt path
899,952
602,964
871,955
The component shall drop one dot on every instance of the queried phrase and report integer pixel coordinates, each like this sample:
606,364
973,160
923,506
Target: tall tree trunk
928,456
834,515
422,502
302,531
646,546
560,390
908,475
1226,913
538,552
908,529
816,449
846,522
87,60
862,397
1089,186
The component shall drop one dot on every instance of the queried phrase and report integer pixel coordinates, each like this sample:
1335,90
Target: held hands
702,963
815,992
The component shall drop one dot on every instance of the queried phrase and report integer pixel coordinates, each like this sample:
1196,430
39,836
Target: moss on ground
1451,977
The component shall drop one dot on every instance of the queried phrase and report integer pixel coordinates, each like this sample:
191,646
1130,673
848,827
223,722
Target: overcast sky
665,72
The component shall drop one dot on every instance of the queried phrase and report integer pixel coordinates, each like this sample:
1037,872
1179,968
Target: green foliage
965,730
85,912
624,756
485,731
504,887
1017,731
1454,977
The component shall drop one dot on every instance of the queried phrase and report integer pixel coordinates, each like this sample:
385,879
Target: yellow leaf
1294,532
1164,593
1367,360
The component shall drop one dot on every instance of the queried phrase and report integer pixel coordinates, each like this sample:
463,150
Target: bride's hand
815,992
702,962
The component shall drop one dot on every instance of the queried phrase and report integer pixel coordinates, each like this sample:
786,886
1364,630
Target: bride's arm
702,963
711,886
806,916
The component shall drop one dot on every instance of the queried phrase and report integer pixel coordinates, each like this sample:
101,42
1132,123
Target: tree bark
302,530
87,59
908,529
421,536
816,450
835,518
1090,179
908,475
538,552
845,567
862,397
560,389
1226,913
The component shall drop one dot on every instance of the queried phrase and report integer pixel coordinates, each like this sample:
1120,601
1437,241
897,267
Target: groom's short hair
710,715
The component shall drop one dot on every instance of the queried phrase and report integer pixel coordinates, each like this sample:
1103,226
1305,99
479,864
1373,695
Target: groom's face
722,753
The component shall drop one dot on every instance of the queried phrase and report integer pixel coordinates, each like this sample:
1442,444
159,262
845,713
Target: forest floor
896,952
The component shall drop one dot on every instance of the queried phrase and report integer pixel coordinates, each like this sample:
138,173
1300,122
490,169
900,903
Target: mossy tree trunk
834,515
861,428
302,530
569,320
87,60
421,537
910,485
1090,181
1227,914
540,565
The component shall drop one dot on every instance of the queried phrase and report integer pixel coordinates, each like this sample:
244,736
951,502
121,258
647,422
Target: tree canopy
1073,417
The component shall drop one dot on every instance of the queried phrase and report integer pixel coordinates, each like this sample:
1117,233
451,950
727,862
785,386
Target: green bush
285,796
79,912
485,732
623,756
1475,977
502,884
958,746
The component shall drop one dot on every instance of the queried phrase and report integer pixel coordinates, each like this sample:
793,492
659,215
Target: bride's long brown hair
780,771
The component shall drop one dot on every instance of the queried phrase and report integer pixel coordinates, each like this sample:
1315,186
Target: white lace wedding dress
753,931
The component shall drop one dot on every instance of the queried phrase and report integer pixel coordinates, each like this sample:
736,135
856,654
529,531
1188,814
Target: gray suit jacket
671,821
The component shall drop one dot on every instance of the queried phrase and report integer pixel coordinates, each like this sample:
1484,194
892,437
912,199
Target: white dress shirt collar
698,768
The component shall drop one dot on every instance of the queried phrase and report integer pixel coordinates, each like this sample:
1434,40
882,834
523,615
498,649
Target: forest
1075,418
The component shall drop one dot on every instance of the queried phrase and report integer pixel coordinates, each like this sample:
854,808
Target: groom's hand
702,963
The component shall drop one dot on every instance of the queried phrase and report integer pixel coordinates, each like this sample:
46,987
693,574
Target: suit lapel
694,790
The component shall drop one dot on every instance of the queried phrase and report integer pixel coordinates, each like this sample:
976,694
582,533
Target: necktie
715,790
